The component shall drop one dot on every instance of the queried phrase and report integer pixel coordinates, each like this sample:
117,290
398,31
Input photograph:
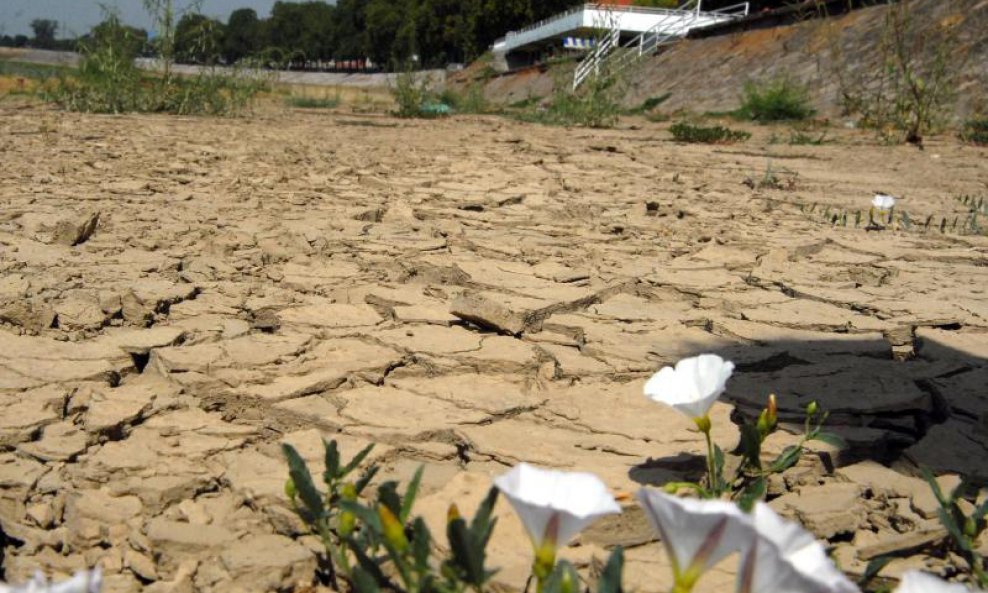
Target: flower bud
452,513
394,532
971,528
348,492
290,491
703,423
566,584
812,408
346,524
769,417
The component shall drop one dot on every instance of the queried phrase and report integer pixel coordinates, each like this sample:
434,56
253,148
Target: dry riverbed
178,296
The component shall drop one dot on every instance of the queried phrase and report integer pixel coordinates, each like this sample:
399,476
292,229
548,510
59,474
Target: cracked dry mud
179,296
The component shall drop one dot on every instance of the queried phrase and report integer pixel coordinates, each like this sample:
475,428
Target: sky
76,17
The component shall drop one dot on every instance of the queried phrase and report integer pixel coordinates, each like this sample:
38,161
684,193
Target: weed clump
779,99
108,81
314,102
414,96
975,131
692,133
595,105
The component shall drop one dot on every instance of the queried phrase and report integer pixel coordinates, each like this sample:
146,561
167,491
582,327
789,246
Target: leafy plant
906,92
378,545
412,94
749,482
772,179
692,133
314,102
964,528
472,100
975,131
108,81
778,99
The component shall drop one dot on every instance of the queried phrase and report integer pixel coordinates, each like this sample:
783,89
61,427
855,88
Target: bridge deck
588,17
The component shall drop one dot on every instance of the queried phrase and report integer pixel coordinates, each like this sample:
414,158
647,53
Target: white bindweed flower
554,505
692,386
696,533
915,581
883,202
785,558
84,581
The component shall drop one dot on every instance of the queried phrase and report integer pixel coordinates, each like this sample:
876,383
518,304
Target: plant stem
712,478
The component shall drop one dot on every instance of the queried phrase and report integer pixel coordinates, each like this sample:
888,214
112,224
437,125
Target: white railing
591,64
674,26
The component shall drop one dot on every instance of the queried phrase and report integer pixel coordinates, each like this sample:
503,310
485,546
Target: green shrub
594,105
975,131
649,104
692,133
779,99
414,96
107,81
314,102
472,100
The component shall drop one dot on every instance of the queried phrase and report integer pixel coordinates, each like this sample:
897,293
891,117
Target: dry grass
363,99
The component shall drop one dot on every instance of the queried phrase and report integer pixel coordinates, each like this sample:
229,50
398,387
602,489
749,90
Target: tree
131,41
351,29
198,39
44,32
243,35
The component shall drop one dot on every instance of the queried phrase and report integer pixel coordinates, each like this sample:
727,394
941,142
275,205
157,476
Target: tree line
391,33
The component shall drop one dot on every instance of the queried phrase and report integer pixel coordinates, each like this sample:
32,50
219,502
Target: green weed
692,133
778,99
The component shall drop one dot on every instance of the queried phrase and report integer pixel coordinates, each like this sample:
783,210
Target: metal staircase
610,56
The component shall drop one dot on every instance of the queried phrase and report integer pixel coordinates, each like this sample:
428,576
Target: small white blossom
785,558
554,505
692,386
883,202
915,581
697,534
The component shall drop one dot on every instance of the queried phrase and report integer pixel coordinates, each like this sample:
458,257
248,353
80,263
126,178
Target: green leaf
482,523
753,492
363,582
564,579
365,479
365,515
410,493
367,564
421,544
387,494
611,577
303,482
830,438
332,457
357,460
788,458
948,522
718,480
874,567
934,486
468,555
750,446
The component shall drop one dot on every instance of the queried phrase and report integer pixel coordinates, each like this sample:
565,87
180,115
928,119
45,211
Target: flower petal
538,494
688,526
915,581
692,386
789,559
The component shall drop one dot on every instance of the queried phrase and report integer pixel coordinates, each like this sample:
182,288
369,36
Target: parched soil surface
180,296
